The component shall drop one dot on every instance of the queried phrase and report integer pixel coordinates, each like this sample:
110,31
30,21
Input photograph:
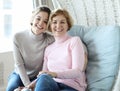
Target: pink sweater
66,57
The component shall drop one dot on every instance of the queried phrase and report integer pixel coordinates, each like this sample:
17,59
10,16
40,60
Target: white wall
6,67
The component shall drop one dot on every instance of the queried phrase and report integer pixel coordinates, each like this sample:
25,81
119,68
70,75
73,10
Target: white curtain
37,3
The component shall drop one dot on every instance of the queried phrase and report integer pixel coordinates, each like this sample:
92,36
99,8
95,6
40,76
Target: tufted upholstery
92,12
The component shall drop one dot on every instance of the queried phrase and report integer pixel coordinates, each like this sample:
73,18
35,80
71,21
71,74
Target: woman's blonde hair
63,12
40,9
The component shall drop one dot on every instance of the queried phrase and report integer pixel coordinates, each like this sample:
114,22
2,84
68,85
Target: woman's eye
54,22
38,19
45,22
62,22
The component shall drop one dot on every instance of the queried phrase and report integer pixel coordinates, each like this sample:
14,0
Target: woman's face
59,25
40,23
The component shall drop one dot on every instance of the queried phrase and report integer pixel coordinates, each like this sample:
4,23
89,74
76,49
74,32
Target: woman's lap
14,81
46,83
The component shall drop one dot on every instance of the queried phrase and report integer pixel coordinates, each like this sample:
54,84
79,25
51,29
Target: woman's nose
40,22
58,25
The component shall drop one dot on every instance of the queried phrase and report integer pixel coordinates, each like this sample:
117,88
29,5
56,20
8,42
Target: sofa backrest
103,46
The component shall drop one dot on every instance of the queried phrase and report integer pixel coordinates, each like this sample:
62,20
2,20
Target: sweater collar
61,39
37,37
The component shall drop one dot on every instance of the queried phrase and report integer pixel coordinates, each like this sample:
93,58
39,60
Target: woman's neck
60,39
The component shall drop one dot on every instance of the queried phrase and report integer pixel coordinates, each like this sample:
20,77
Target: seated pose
64,59
29,46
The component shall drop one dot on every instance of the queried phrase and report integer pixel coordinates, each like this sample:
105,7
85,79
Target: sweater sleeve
19,63
45,63
77,53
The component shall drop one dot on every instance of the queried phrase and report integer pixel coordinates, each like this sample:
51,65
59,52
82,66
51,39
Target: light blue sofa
103,46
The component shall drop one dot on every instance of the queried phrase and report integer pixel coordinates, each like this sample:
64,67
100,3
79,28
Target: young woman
64,60
29,46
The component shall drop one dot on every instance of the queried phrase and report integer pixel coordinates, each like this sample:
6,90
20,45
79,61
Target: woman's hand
32,85
53,74
41,72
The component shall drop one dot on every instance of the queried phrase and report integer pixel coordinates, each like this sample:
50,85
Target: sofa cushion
103,46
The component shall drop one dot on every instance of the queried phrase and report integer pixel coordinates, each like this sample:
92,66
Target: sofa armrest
116,86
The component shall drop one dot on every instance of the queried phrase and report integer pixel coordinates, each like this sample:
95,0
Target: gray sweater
29,52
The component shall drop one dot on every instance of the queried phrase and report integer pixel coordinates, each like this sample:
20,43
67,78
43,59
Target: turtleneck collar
37,37
61,38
